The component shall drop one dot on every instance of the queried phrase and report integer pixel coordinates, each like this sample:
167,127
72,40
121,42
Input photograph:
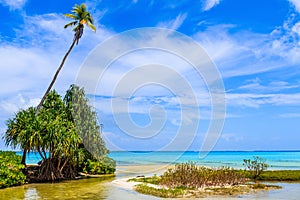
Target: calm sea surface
275,159
98,188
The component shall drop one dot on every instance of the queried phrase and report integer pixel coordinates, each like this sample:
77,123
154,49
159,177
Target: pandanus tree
21,131
81,17
66,134
85,119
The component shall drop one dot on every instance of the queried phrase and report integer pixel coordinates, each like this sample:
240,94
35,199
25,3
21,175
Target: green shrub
103,166
189,175
11,169
255,166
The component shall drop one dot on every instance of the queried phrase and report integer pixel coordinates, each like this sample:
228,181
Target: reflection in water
31,193
102,188
93,188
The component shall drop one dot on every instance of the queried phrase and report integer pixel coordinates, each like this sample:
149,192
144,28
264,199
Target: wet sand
139,170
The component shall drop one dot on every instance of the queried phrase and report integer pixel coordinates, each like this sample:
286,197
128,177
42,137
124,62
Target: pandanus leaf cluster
65,133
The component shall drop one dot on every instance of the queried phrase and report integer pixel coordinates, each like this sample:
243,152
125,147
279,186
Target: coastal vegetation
201,192
65,133
255,166
278,175
189,175
188,179
11,169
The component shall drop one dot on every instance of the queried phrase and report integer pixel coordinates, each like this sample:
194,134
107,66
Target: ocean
276,160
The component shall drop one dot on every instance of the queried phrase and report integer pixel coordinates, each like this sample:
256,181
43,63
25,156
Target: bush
103,166
11,169
189,175
255,166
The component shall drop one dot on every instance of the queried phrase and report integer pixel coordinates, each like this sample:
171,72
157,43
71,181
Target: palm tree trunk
54,78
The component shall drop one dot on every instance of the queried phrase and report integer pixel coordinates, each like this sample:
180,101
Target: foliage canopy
65,133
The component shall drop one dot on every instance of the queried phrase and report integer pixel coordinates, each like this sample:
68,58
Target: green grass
165,193
210,191
277,175
153,179
280,175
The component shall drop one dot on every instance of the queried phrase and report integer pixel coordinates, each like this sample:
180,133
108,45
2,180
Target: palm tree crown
81,17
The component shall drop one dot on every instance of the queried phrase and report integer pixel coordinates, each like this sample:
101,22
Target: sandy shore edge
126,172
123,183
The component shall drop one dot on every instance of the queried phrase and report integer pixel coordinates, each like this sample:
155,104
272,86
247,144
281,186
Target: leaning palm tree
81,17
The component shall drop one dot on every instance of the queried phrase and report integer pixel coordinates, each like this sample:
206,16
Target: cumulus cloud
296,3
30,60
13,4
231,50
247,53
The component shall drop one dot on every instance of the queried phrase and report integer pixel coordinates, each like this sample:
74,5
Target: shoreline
126,172
139,170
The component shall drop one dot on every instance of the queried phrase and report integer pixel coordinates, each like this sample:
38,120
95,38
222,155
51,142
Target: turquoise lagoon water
276,159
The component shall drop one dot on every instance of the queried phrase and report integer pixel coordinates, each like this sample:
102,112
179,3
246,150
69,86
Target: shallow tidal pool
103,188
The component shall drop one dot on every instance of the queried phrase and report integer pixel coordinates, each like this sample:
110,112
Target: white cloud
284,42
273,86
29,62
13,104
246,53
296,3
175,23
256,100
13,4
296,28
209,4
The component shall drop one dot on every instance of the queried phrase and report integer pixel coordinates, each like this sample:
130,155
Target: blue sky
255,45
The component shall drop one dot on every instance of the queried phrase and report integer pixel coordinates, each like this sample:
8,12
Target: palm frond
83,6
84,15
91,26
81,17
77,9
71,24
90,19
72,16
